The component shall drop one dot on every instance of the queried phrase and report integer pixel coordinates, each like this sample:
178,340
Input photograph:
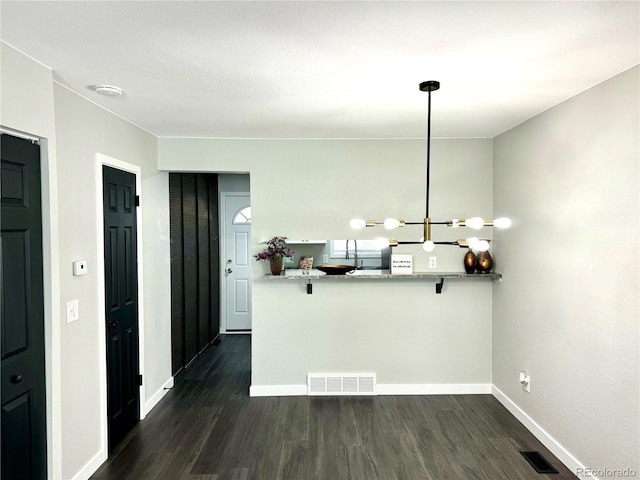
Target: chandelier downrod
429,86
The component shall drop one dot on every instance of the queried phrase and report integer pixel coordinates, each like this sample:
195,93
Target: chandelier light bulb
502,222
482,246
474,222
391,223
473,241
382,242
357,223
428,246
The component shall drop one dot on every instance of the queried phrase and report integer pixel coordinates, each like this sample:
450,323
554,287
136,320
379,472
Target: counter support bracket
439,285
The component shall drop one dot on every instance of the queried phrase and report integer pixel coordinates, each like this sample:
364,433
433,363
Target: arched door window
242,216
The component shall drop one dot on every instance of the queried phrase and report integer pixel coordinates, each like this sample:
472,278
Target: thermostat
80,267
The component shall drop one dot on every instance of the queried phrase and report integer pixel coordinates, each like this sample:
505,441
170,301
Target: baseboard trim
92,466
433,388
277,390
547,440
156,397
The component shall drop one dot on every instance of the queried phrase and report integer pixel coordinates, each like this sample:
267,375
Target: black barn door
121,302
22,320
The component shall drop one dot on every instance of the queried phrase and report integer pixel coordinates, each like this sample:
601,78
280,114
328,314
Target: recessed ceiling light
108,90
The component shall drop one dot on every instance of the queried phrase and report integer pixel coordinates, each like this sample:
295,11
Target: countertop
314,274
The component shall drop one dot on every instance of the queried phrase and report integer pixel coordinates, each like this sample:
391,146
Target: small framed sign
401,263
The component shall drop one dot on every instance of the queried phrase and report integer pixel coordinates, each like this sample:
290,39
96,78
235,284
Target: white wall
310,189
83,129
27,106
568,309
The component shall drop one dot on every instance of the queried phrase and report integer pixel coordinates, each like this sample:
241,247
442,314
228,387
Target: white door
237,261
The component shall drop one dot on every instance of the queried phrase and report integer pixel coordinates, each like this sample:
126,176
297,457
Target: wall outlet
525,381
73,312
433,262
325,258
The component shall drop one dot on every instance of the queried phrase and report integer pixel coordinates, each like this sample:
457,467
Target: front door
237,266
22,320
121,302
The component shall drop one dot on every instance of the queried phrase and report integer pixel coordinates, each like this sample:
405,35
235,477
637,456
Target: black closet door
177,273
190,261
204,268
195,297
23,439
121,302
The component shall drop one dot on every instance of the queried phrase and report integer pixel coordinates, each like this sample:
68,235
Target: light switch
73,312
80,267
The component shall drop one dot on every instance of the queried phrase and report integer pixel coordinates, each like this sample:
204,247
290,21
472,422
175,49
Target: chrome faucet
355,256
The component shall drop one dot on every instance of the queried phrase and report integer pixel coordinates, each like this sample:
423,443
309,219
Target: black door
195,284
22,319
121,302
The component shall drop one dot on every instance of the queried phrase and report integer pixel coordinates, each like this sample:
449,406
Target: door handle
229,270
16,378
114,324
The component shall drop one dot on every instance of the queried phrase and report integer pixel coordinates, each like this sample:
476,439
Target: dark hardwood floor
208,427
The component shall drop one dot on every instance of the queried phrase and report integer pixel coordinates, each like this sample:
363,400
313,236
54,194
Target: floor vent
341,384
538,462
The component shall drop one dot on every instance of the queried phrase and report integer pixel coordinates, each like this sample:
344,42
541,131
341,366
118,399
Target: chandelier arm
402,242
422,223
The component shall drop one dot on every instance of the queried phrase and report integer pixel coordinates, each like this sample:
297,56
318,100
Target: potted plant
276,250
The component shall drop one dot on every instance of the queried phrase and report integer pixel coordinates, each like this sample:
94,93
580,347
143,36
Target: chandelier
428,244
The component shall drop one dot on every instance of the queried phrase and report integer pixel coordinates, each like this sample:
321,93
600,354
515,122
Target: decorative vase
470,262
276,266
484,262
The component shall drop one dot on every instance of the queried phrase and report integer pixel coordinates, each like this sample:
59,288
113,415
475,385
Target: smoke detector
107,90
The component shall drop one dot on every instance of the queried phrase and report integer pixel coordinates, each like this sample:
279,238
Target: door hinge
137,200
140,380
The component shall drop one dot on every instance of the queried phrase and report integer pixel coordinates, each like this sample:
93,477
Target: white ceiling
327,69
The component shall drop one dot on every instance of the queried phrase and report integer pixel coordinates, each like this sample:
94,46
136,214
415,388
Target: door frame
102,338
223,244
